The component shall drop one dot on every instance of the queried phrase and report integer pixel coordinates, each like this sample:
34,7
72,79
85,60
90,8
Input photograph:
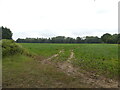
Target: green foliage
9,47
45,50
99,58
118,38
106,38
78,40
58,39
6,33
91,39
20,71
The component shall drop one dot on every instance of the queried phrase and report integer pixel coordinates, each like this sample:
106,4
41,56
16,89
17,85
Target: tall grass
20,71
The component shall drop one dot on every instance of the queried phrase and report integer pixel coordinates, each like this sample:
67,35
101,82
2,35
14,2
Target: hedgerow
9,47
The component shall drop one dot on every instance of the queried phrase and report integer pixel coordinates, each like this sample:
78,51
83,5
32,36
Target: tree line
105,38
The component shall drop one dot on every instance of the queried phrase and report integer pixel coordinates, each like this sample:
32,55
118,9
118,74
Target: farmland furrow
86,77
47,61
90,79
71,56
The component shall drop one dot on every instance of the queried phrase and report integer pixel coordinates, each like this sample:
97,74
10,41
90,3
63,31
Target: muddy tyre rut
90,79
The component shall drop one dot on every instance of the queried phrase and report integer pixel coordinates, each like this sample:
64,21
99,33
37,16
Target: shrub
9,47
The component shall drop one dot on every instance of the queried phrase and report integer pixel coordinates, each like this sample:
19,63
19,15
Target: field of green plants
41,65
98,58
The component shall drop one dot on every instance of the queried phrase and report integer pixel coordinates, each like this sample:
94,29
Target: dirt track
91,80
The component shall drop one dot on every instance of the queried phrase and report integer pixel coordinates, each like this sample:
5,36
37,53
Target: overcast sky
49,18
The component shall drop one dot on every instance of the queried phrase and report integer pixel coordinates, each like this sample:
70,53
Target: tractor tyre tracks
85,77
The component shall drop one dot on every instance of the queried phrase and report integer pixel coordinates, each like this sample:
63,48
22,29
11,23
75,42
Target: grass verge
20,71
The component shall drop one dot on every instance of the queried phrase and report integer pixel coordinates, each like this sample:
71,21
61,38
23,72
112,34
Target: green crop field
100,59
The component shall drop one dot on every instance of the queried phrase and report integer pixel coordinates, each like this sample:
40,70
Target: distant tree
78,40
106,38
58,39
67,40
92,39
114,38
6,33
118,41
20,40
